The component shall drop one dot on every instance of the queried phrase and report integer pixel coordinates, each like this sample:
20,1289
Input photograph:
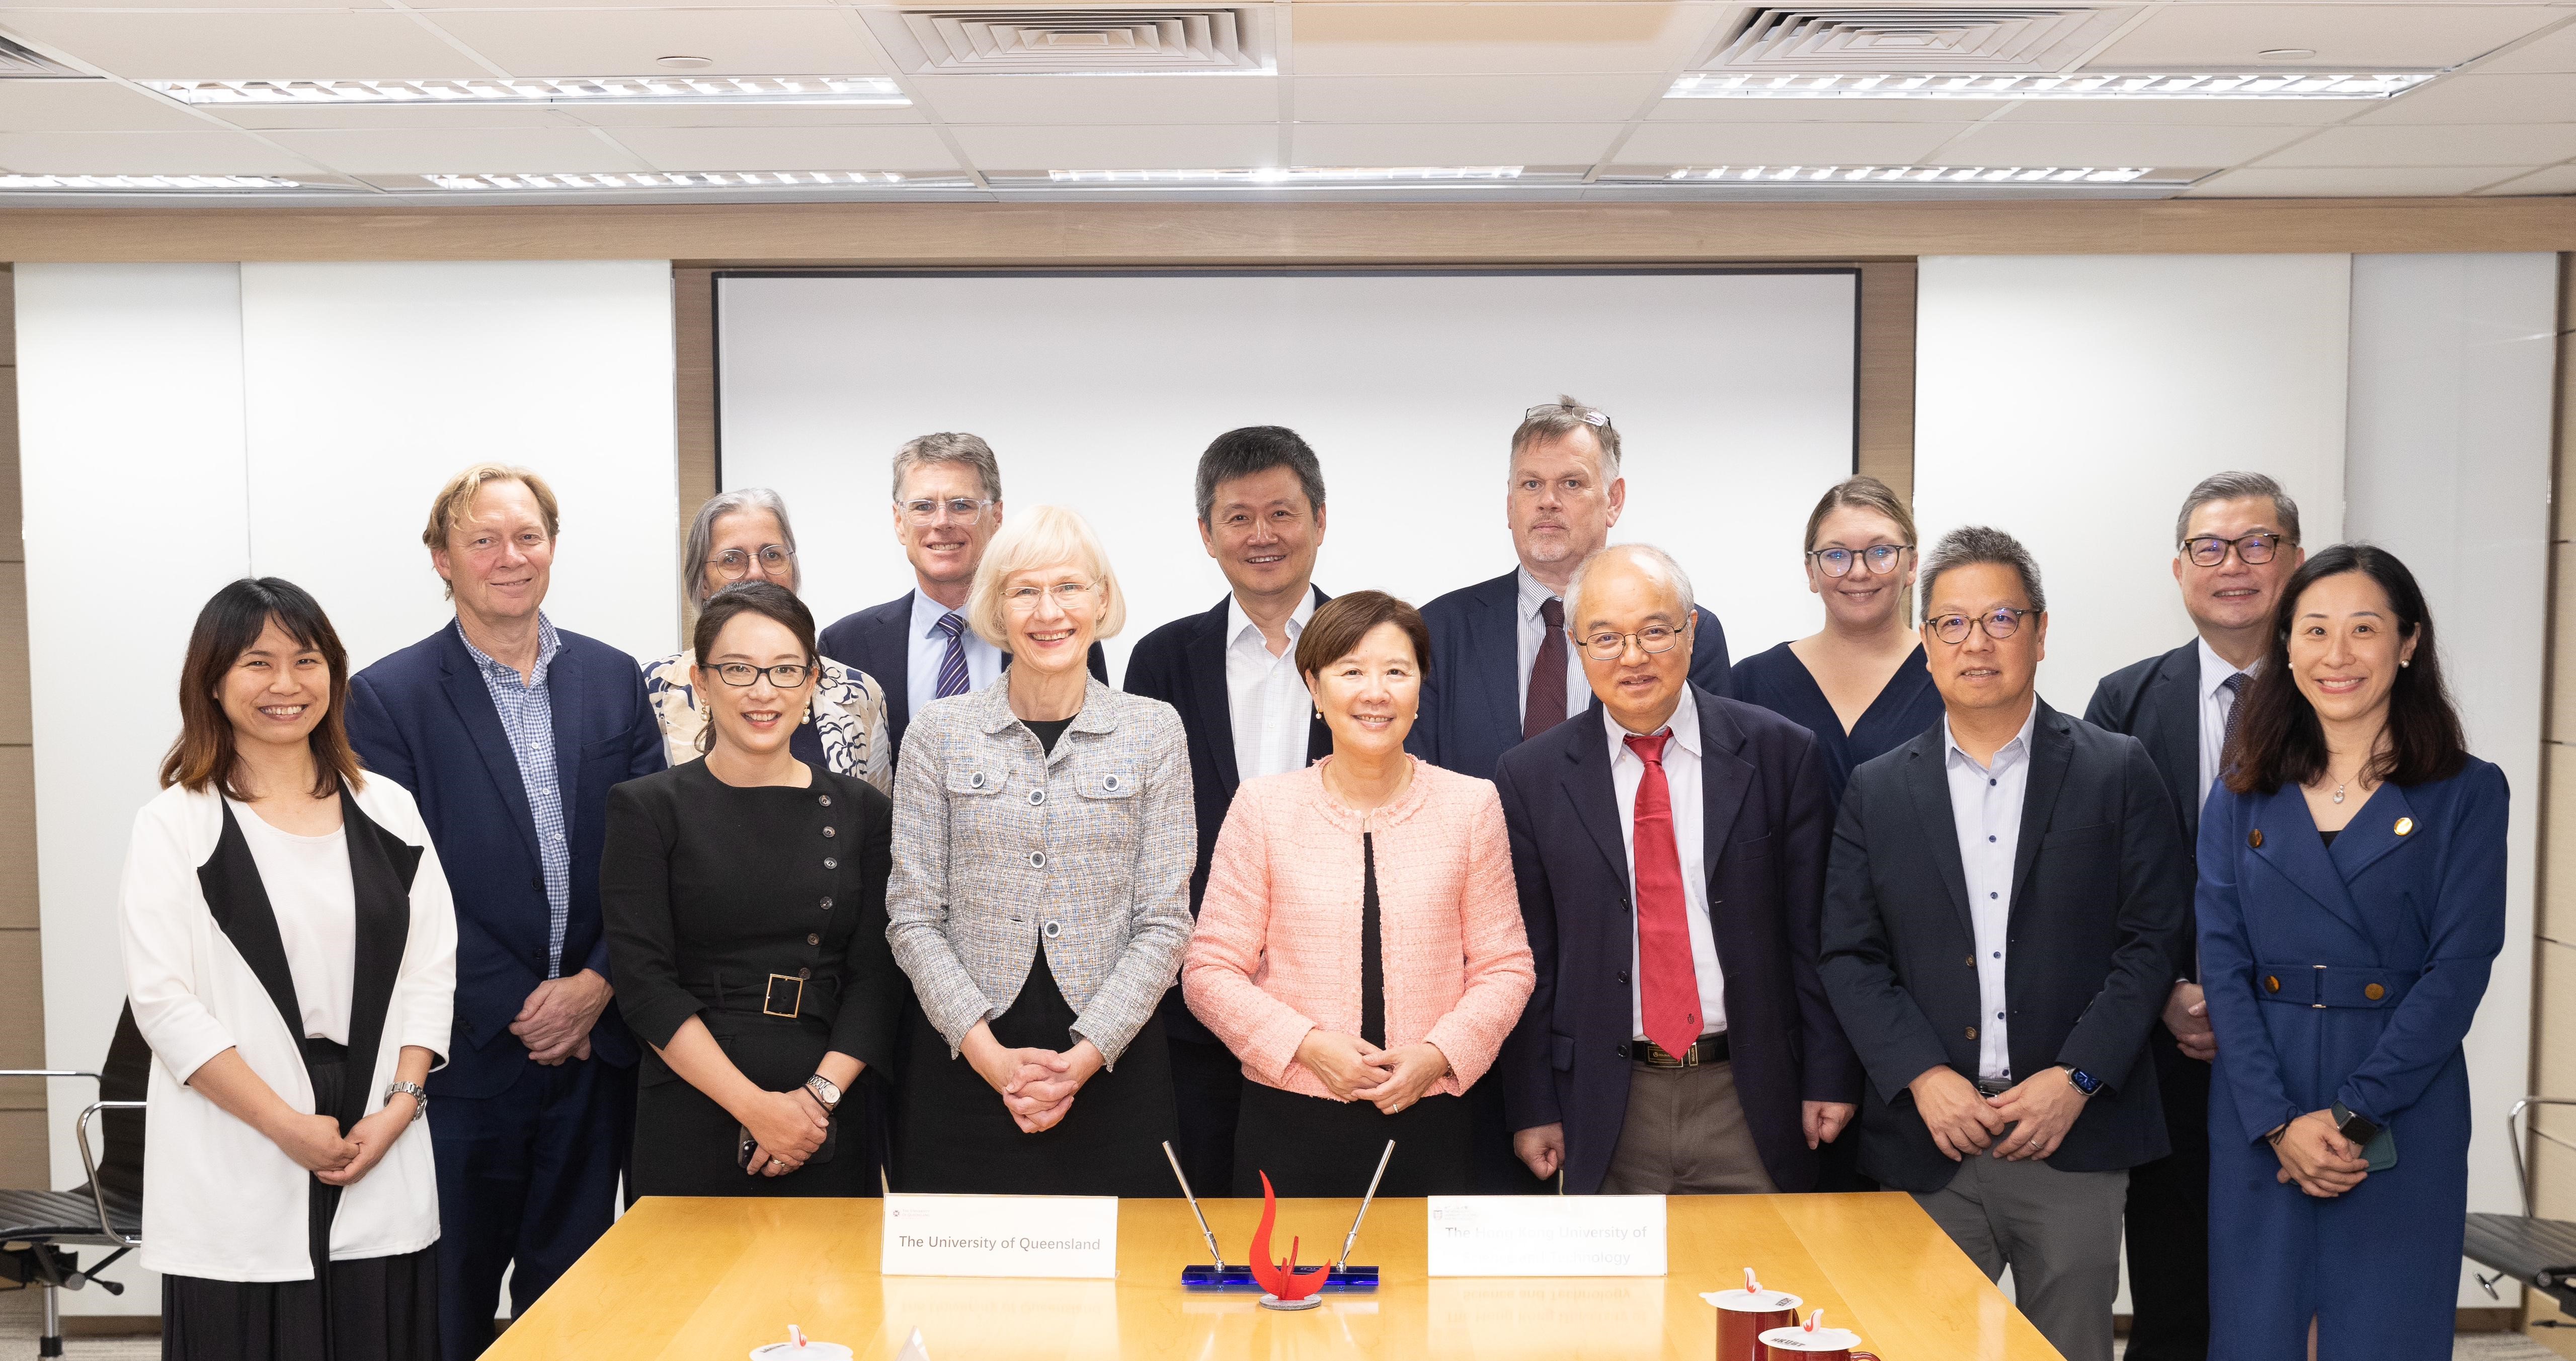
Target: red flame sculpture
1284,1280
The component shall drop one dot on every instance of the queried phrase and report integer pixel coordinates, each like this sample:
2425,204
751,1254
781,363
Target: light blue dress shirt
527,710
1985,808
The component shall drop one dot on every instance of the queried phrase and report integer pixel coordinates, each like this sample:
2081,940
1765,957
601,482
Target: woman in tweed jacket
1043,842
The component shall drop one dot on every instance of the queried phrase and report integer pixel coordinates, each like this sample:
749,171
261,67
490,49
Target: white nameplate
1003,1236
1547,1236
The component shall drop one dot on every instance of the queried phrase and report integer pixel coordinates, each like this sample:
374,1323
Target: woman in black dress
745,905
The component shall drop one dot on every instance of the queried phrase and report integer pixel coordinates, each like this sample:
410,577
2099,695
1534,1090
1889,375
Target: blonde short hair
1031,540
454,498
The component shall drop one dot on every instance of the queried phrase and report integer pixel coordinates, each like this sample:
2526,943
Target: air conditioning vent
1195,39
1927,39
19,63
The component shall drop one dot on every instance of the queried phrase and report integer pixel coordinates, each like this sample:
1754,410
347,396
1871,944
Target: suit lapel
1594,797
2174,710
1497,630
1212,697
2372,833
2052,751
1319,738
240,906
564,693
1929,782
1725,781
2295,850
893,669
473,704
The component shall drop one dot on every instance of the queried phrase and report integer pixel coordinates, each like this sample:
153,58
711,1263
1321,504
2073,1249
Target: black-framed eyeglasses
964,510
1606,646
735,563
2209,550
785,675
1999,624
1586,414
1881,557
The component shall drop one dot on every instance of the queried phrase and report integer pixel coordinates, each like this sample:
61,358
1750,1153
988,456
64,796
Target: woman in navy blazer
2352,868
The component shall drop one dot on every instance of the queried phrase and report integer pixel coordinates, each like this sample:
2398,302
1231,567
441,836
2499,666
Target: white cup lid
811,1351
1754,1301
1821,1340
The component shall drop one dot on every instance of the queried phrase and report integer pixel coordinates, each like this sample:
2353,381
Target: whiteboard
1733,394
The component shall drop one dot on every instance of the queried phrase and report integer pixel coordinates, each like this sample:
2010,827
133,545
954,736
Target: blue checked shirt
528,716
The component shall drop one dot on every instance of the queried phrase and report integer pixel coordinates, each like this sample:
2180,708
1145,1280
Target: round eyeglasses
1606,646
1999,624
1068,594
734,564
2253,550
785,675
960,510
1881,557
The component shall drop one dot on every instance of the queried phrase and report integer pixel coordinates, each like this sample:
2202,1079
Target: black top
1372,954
1781,683
2330,836
709,889
1048,730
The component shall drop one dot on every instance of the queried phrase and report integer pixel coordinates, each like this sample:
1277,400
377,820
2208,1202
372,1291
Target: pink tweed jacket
1277,949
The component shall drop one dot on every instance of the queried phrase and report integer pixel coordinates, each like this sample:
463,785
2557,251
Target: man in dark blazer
1499,645
1232,673
1736,1089
947,504
2006,900
2236,543
510,732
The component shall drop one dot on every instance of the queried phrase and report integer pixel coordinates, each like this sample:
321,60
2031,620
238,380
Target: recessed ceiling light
1902,175
1282,175
2286,53
686,63
837,90
2080,85
162,184
593,181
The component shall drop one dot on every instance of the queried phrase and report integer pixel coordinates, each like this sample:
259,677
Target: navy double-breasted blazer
422,718
2346,973
1765,820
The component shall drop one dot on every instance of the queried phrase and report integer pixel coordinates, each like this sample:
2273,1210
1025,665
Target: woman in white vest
290,952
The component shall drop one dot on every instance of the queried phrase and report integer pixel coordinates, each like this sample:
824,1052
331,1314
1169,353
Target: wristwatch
2356,1128
2084,1082
419,1097
825,1090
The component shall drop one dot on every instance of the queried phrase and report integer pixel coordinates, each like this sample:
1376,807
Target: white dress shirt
1985,808
930,645
2215,702
1264,695
316,902
1690,829
1533,632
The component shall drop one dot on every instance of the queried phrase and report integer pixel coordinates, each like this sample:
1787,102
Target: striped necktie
952,663
2235,688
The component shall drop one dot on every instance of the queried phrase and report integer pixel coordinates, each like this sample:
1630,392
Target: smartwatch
2356,1128
825,1091
2084,1082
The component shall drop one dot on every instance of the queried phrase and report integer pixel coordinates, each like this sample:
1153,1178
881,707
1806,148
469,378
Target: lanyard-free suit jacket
422,718
2157,701
2100,892
1764,827
1471,694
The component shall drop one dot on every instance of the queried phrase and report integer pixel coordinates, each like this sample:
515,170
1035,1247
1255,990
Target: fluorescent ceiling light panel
660,89
1905,175
2078,85
699,179
1291,175
150,184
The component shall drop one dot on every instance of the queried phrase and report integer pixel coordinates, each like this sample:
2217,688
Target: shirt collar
1534,592
926,614
2017,749
548,643
2214,669
1236,621
1683,725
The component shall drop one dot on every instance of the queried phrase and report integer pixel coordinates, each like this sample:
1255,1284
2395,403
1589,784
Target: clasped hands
2027,1121
554,1023
786,1128
2315,1156
1353,1069
1037,1085
317,1146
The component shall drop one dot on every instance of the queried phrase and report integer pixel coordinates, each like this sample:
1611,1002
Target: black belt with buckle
1710,1049
1994,1086
785,996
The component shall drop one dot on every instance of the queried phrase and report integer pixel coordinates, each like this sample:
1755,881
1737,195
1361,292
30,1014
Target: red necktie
1667,988
1544,707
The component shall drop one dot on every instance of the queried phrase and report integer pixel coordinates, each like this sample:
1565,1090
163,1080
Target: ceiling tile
1826,110
780,42
90,106
2557,179
1100,99
1786,143
1110,147
394,116
2452,144
2392,181
2189,112
387,151
1361,144
1475,99
607,115
145,153
2481,98
2187,37
2113,144
789,148
253,45
1506,39
2553,52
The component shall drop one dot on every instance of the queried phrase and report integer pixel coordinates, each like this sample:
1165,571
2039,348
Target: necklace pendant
2338,794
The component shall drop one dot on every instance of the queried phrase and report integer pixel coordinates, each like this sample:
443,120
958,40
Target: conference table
709,1279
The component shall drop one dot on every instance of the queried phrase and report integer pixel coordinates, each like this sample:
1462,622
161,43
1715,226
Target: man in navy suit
1670,846
2236,542
1232,673
510,732
947,504
1501,671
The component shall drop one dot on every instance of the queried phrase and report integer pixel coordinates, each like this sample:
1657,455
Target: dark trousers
527,1181
1207,1085
2168,1219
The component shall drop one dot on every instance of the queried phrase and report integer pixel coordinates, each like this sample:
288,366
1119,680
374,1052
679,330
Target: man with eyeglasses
947,504
2237,542
1231,671
1669,846
2006,897
510,732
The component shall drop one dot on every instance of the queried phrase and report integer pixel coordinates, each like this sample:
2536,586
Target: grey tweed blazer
1001,850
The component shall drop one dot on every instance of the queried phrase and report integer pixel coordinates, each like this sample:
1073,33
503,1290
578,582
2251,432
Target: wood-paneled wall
23,1163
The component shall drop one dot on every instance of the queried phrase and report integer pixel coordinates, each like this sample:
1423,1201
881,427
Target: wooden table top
709,1279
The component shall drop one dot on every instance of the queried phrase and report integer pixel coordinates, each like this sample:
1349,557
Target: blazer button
1972,1032
1054,929
1971,961
827,800
804,973
831,831
975,781
1037,860
827,904
1623,975
812,938
1037,796
2255,838
2374,992
1108,784
831,864
2405,826
2271,982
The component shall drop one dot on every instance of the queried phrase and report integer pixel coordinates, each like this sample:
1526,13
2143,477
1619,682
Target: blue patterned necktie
952,663
2235,687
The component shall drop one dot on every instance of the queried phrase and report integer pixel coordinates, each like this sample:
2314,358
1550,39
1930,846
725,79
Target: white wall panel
1732,393
2449,470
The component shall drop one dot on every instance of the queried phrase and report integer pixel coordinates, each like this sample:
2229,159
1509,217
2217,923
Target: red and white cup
1743,1316
1806,1343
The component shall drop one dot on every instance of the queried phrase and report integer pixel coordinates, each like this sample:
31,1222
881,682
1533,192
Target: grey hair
702,537
1973,545
2238,486
1562,417
1657,561
950,446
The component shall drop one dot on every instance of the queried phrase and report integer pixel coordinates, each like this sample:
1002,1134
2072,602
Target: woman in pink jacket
1360,947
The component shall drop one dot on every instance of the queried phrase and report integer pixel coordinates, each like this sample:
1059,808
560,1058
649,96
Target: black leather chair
2540,1253
41,1232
